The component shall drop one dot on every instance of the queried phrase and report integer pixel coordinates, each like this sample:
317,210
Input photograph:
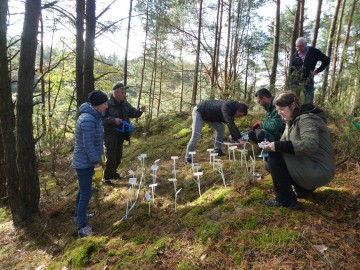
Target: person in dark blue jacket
303,69
87,154
215,113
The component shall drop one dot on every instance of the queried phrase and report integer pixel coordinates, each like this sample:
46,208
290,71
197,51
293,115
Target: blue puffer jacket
88,138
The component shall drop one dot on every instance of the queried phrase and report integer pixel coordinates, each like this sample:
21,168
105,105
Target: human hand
118,121
268,146
240,143
142,108
98,174
256,125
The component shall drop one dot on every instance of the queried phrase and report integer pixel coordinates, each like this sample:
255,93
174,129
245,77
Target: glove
98,174
256,125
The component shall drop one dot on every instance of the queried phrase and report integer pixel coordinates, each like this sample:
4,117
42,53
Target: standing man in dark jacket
215,113
272,126
118,110
302,70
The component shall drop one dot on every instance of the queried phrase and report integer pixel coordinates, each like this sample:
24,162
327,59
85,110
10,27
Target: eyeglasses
300,45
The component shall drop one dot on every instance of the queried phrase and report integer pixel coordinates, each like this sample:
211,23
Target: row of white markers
133,194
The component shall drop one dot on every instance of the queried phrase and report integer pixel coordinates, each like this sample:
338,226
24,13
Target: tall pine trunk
26,160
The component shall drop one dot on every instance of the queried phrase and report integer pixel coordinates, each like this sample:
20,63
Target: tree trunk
317,24
26,160
127,43
196,70
80,13
227,49
336,49
275,46
345,48
7,127
89,48
329,47
293,39
301,18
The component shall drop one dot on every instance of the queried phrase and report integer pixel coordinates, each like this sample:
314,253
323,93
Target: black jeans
281,178
113,154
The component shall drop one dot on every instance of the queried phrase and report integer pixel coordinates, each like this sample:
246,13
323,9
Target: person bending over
215,113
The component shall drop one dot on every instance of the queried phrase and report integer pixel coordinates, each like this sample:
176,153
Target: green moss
81,252
5,214
208,231
186,265
158,247
140,239
256,196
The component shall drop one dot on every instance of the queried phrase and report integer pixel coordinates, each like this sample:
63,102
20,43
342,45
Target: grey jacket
312,164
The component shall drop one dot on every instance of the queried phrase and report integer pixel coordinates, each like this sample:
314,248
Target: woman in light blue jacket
87,153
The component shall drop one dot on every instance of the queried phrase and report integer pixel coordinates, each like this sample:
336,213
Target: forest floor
226,228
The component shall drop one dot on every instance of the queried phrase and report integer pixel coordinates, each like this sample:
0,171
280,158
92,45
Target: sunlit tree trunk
144,55
293,40
227,49
79,24
215,53
89,48
336,48
275,45
316,24
301,18
329,46
345,48
26,160
196,70
127,43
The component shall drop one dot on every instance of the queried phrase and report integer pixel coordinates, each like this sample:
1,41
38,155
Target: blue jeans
83,195
309,90
197,125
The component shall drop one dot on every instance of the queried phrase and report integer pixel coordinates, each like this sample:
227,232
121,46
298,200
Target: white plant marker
152,186
154,169
196,167
129,196
197,181
220,170
175,171
192,158
228,144
132,182
232,149
212,157
132,173
148,198
176,192
210,150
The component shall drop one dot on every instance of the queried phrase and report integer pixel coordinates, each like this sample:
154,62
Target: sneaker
220,153
85,231
274,203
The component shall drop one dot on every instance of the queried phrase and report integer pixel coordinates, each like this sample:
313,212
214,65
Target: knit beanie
97,98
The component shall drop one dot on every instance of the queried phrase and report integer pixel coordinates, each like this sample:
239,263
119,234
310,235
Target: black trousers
281,178
113,155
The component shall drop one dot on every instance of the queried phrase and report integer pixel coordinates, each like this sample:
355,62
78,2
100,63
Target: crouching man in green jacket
304,156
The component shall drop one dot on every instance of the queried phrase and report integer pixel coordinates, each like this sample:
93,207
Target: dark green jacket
272,123
312,164
122,110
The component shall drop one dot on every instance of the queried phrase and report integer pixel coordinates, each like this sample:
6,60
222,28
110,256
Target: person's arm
229,120
324,59
88,128
273,123
135,113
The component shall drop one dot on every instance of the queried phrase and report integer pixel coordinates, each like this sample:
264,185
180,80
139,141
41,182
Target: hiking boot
274,203
107,182
85,231
220,153
116,176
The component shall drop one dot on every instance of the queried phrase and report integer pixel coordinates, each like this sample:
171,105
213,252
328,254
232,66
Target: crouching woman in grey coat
304,157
